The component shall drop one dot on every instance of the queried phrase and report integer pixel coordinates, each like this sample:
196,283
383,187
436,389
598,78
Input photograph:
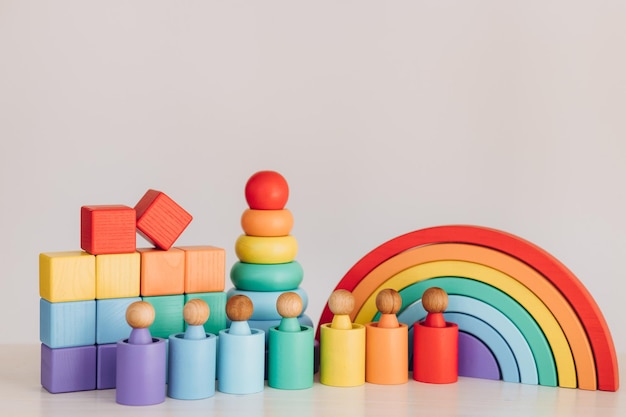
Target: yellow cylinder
386,354
342,356
266,250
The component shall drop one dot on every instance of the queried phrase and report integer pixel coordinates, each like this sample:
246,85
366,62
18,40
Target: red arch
558,274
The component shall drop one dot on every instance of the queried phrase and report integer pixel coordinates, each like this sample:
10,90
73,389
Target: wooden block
105,366
111,325
67,276
168,315
160,220
107,229
162,271
68,369
67,324
117,275
217,310
205,268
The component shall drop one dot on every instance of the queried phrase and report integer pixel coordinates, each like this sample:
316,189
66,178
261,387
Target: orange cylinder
436,353
386,354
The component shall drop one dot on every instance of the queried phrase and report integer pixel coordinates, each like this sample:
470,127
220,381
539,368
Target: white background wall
385,117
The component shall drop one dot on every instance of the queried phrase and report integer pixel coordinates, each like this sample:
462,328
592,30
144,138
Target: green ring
266,277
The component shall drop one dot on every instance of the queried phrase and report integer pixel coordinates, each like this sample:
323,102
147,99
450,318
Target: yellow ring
267,222
266,250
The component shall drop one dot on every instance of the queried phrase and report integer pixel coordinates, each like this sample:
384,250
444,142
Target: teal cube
67,324
168,318
217,310
111,325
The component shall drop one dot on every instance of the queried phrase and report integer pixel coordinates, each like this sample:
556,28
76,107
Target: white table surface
22,395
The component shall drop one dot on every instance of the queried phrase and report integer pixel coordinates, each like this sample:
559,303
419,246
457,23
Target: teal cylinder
241,362
290,358
191,367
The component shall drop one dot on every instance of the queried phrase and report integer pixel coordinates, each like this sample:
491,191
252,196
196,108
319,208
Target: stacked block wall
84,299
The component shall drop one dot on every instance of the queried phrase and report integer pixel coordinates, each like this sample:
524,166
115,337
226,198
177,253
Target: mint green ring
266,277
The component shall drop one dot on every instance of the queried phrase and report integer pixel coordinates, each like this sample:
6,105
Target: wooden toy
575,357
265,302
107,229
504,356
67,324
67,276
140,360
267,190
160,220
162,271
169,315
436,342
290,347
266,325
105,365
342,345
68,369
117,275
493,307
192,356
387,343
266,277
205,268
217,301
267,222
551,329
241,358
266,250
111,324
475,358
550,269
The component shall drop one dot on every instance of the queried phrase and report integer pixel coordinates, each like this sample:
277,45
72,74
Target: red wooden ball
267,190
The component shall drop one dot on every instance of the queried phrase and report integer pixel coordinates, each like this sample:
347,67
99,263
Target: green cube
168,318
217,310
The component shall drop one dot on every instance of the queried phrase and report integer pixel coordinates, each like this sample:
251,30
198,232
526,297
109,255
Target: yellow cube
67,276
118,275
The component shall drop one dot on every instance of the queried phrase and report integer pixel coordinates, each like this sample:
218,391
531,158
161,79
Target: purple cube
68,369
105,377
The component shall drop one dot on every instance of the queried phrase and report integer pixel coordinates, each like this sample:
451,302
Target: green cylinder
290,358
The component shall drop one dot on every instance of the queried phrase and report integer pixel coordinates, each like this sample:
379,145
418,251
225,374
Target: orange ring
267,222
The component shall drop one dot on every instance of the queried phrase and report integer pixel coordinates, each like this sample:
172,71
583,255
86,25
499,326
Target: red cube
160,220
107,229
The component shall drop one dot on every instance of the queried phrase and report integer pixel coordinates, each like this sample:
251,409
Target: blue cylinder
140,372
241,362
191,366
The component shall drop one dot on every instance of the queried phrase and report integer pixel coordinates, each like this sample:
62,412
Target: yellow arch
563,357
560,307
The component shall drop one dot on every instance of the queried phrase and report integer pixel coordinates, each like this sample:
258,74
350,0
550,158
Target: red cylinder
436,353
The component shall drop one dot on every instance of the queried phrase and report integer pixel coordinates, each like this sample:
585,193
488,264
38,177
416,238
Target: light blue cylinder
265,302
241,362
191,367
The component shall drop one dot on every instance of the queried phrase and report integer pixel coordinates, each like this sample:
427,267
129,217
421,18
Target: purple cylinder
140,373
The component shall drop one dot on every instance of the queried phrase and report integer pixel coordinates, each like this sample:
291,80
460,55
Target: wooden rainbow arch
573,346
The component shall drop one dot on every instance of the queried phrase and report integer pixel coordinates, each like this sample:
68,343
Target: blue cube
67,324
111,325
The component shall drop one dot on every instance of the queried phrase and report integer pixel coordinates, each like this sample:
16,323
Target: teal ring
266,277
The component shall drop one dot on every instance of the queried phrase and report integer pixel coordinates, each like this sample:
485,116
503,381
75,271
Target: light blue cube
67,324
111,325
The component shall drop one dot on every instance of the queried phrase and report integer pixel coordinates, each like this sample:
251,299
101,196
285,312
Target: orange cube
162,271
205,268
